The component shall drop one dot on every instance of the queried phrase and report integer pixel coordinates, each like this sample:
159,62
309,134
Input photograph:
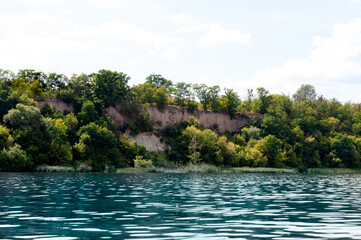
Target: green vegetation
59,169
334,170
303,132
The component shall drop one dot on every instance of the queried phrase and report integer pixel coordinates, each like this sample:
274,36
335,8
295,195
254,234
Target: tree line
299,131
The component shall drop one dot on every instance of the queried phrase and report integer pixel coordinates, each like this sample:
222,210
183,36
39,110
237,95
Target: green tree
71,122
214,97
148,93
230,101
270,147
279,127
206,144
263,101
60,149
310,154
181,93
239,140
227,154
282,106
305,92
30,131
253,156
56,81
110,87
88,113
97,145
14,159
343,147
158,81
253,132
6,139
80,88
31,76
6,76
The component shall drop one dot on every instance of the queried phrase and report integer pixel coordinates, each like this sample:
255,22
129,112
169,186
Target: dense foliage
302,131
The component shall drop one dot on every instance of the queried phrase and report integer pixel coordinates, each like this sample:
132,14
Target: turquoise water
179,206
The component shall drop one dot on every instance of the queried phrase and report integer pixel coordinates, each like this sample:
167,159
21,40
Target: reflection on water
184,206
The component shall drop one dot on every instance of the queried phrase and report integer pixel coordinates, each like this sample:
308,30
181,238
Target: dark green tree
230,101
98,145
56,81
29,129
110,87
203,94
279,127
343,147
88,113
271,149
158,81
263,101
181,92
305,92
32,76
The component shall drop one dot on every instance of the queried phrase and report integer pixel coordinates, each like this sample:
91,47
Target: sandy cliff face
170,115
173,115
151,142
57,104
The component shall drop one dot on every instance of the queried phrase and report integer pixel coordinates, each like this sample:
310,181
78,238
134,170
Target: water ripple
179,206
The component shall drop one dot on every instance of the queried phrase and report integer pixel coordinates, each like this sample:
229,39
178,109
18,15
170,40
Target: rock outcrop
173,115
57,104
170,115
151,142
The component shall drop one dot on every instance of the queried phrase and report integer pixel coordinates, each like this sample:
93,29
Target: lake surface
179,206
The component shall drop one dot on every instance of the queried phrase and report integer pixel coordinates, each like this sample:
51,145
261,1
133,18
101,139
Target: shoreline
202,168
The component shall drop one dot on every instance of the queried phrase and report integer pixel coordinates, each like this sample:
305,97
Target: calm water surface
184,206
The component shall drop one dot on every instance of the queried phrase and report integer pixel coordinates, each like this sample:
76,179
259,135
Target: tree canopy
280,131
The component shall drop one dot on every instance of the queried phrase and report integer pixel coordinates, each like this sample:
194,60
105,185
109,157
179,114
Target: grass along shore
59,169
334,170
203,168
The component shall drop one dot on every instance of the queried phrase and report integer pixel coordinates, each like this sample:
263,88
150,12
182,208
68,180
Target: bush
253,132
46,168
159,159
14,159
139,162
97,145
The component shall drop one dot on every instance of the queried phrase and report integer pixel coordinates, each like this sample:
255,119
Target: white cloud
67,11
41,2
330,61
130,32
181,19
218,35
170,53
186,23
278,16
210,34
34,38
109,3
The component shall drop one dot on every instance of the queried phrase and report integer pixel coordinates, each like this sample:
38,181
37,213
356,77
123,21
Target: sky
237,44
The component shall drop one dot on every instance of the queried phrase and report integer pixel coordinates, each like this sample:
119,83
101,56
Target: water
179,206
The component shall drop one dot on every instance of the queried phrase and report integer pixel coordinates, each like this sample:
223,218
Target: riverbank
203,168
190,168
334,170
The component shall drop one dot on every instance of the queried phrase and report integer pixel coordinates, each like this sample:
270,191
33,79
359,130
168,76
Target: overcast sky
239,44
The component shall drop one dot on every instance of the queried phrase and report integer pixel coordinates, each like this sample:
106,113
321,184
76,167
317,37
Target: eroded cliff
170,115
173,115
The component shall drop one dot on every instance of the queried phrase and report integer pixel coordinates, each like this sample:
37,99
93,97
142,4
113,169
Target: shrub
253,132
139,162
14,159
